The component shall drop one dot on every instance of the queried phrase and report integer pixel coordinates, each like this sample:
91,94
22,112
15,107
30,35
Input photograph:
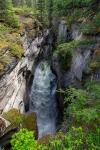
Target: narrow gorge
50,76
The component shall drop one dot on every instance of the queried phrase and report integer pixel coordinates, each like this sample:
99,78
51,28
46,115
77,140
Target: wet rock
76,33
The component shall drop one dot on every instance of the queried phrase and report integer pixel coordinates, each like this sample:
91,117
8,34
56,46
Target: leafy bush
83,107
24,140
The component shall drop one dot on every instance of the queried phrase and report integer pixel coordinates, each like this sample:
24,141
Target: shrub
13,21
24,140
93,88
83,105
75,138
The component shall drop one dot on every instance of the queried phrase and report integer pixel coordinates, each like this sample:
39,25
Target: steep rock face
77,67
13,84
80,66
76,33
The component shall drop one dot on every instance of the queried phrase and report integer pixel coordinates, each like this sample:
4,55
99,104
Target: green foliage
6,13
75,138
16,50
9,41
92,26
83,108
26,11
65,51
96,19
64,56
74,45
85,12
93,88
24,140
84,105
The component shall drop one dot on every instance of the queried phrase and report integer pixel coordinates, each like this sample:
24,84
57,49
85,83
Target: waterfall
43,99
62,31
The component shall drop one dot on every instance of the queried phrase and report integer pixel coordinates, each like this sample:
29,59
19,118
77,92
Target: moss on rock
29,121
14,117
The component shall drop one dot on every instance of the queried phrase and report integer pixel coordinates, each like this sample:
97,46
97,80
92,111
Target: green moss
8,44
29,121
1,67
14,117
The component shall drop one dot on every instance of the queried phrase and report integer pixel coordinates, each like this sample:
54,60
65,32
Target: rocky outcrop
78,67
13,84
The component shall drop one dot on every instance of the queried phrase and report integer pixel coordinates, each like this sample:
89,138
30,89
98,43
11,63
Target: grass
10,45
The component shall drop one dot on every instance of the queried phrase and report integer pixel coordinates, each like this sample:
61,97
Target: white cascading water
43,99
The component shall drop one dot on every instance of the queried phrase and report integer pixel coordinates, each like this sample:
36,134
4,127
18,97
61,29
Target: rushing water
43,99
62,35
